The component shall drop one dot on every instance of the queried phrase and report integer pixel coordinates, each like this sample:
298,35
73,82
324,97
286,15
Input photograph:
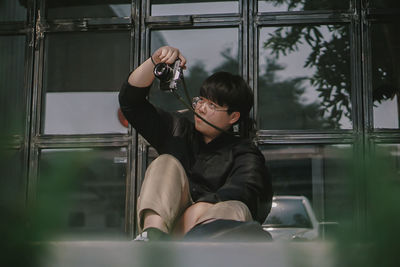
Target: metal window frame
248,20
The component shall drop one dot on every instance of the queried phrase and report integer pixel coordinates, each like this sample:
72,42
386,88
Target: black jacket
227,168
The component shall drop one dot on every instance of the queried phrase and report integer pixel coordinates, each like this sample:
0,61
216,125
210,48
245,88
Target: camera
169,75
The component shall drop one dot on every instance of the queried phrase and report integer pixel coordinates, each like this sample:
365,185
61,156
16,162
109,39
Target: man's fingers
183,60
173,56
169,58
169,55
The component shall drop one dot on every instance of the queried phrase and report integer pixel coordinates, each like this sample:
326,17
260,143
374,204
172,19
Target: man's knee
227,210
165,160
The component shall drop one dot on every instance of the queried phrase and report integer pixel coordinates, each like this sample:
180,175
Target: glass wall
90,185
280,6
13,180
82,75
322,173
304,79
12,10
385,45
192,7
208,51
12,78
324,75
75,9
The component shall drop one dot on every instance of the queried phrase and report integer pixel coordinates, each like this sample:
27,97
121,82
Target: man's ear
235,116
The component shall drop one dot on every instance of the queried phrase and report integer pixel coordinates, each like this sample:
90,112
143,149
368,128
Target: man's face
215,114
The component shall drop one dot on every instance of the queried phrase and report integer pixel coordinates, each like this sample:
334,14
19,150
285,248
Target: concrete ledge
193,254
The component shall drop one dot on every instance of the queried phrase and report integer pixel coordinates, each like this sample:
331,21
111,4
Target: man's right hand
169,55
143,76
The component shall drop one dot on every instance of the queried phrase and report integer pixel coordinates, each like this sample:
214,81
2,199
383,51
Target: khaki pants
165,190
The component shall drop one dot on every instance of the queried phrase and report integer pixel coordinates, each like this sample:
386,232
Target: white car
291,218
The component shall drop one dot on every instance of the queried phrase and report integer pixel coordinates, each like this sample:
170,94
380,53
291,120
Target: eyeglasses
198,102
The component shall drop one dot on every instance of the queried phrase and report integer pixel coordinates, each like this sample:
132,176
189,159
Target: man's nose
202,108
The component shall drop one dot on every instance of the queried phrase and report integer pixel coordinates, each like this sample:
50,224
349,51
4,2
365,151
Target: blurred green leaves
374,240
24,226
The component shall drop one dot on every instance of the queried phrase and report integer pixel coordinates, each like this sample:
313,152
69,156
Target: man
203,173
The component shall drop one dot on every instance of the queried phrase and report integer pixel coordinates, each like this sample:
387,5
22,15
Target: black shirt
227,168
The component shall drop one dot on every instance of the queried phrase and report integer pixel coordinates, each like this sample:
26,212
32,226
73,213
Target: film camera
169,75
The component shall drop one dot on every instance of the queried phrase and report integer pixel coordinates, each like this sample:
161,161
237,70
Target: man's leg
226,210
203,212
164,194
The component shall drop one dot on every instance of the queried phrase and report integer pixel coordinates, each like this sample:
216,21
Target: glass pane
12,10
63,9
304,78
384,3
203,58
296,5
391,155
83,73
90,186
385,43
191,7
320,173
12,182
12,76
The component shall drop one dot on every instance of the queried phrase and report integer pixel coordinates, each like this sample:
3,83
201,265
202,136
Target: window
322,173
12,93
11,10
90,186
82,81
279,6
385,73
72,9
324,76
174,7
304,77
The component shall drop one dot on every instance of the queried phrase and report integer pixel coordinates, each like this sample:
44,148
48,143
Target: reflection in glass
288,213
91,184
385,43
304,78
191,7
83,73
75,9
203,56
296,5
12,74
320,173
12,10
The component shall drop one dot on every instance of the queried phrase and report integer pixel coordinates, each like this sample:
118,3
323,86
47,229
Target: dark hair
225,88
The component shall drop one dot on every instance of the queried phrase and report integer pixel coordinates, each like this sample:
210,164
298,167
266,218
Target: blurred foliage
374,241
24,224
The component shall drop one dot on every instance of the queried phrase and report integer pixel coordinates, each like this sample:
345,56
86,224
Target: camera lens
162,71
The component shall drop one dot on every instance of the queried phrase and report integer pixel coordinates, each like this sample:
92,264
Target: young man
202,174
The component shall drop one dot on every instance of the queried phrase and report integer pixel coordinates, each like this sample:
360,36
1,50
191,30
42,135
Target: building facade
324,75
